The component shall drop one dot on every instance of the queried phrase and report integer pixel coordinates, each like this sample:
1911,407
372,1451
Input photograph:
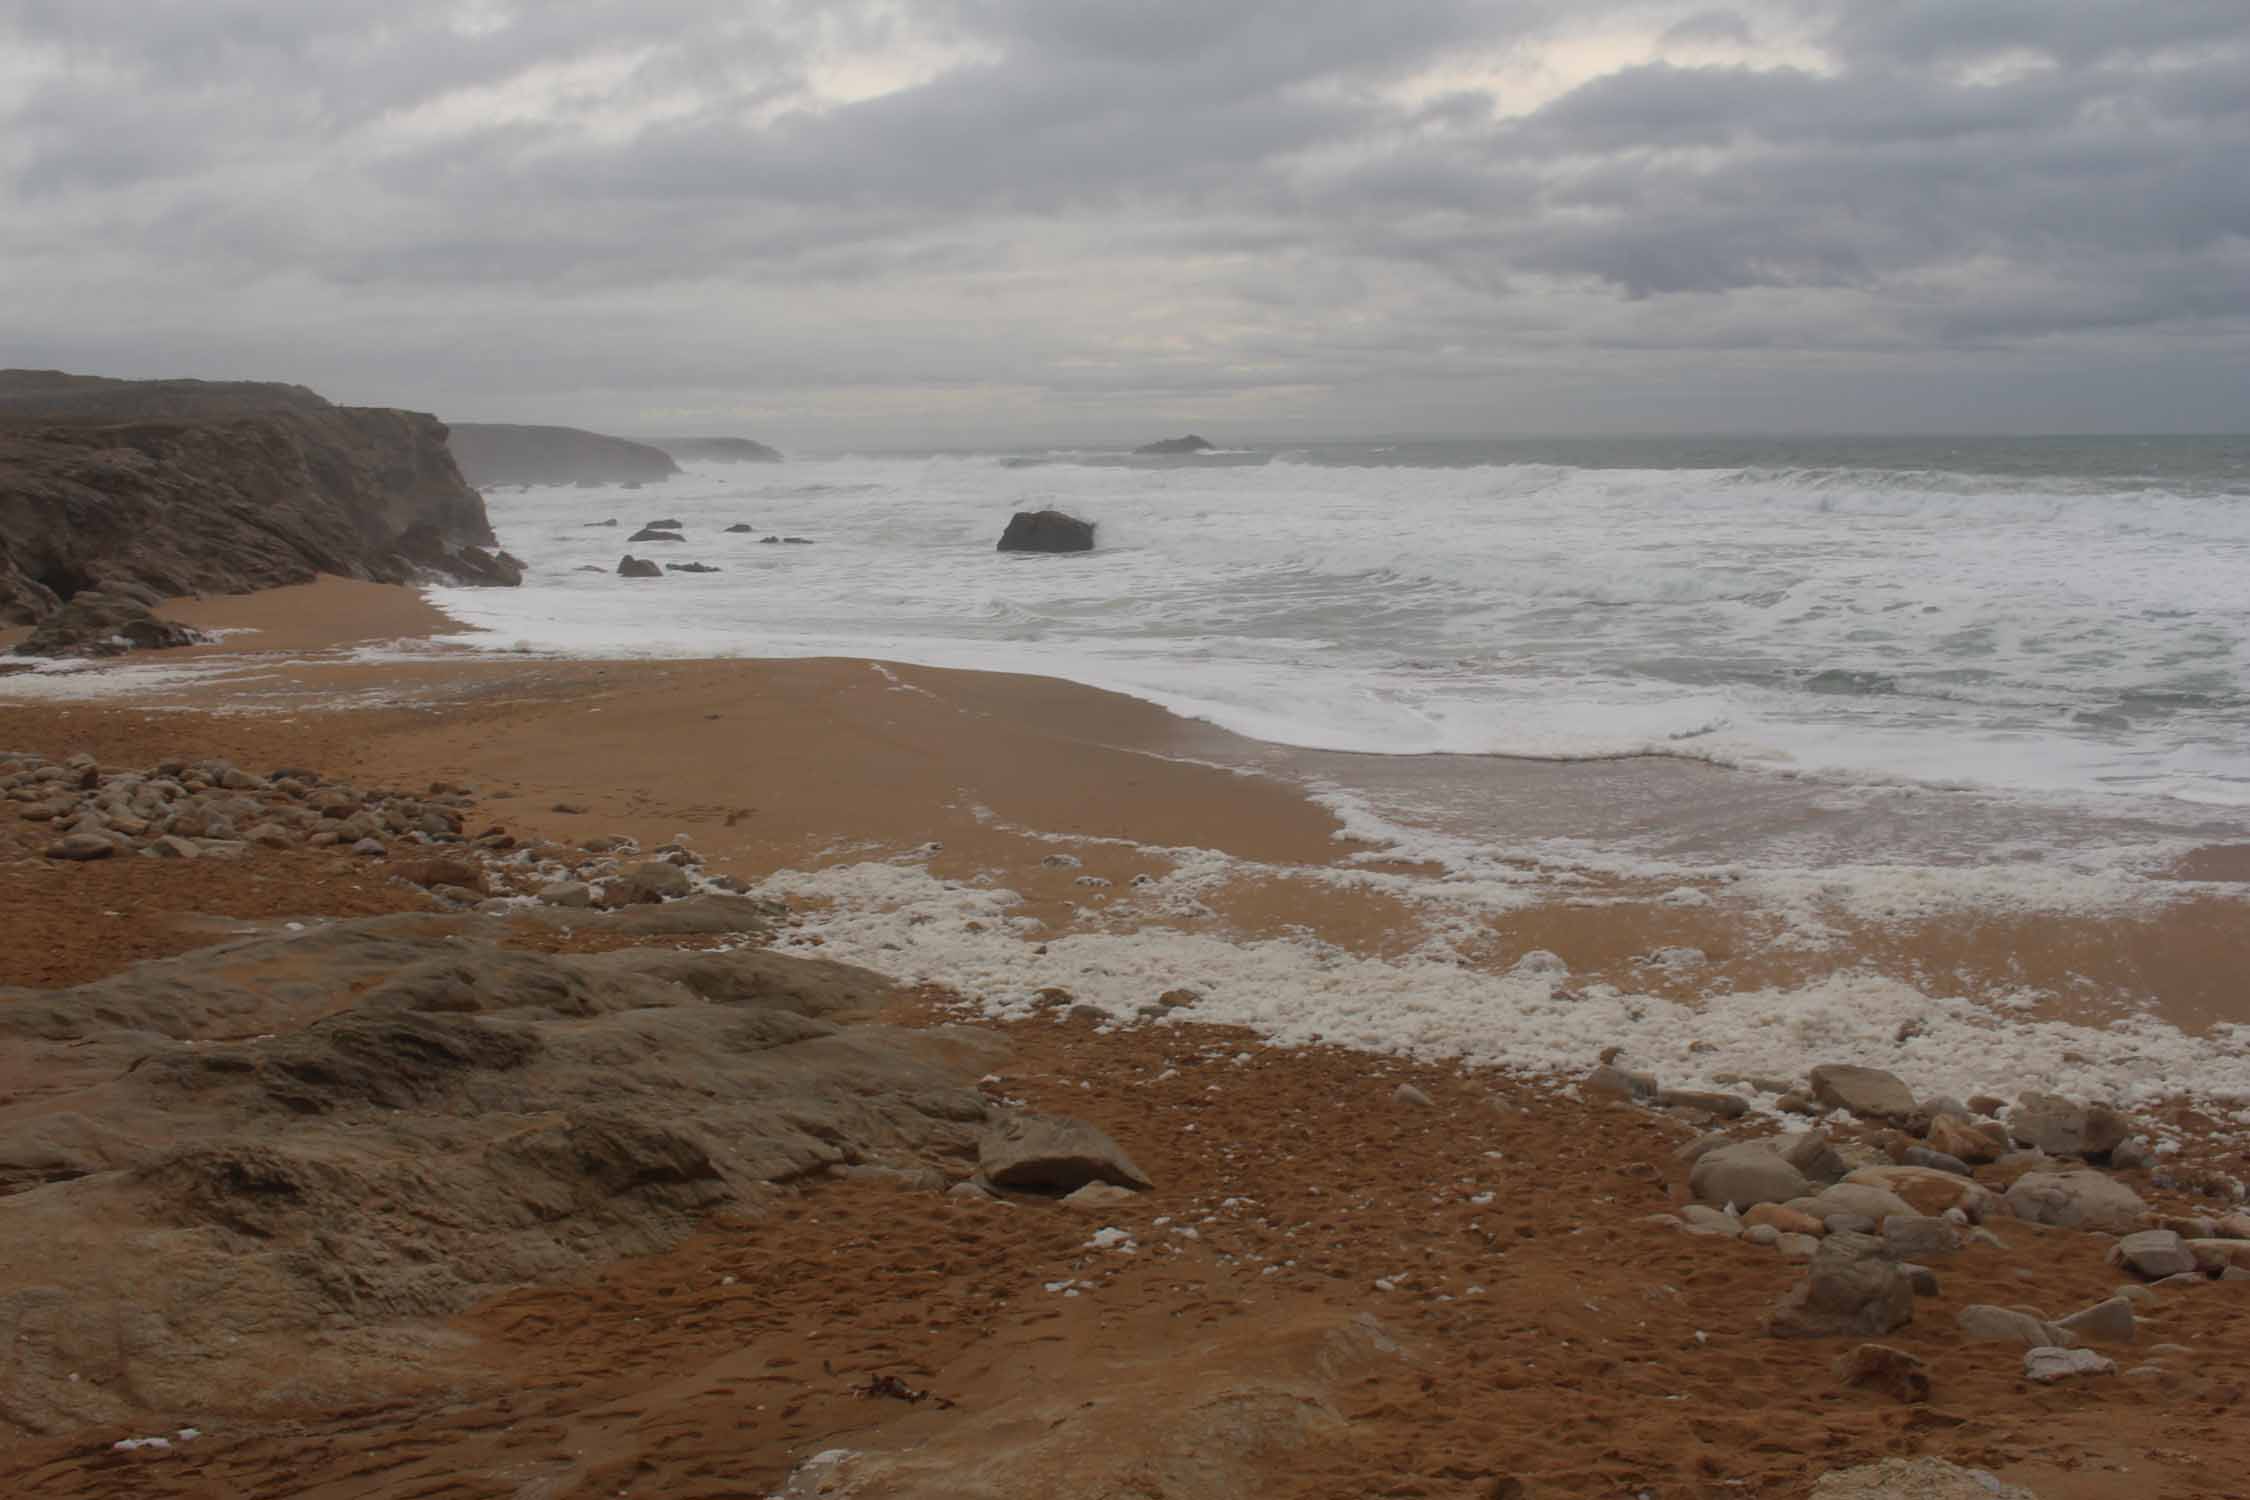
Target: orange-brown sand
1603,1356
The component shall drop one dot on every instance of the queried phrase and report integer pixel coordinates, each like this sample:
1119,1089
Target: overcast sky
831,223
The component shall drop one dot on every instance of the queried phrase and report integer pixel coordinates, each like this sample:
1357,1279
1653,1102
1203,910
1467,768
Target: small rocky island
505,453
717,450
1172,447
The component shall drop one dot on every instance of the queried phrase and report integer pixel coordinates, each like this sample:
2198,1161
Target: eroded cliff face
163,488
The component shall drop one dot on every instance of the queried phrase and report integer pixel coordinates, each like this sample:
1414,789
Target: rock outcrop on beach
717,450
505,453
1174,446
350,1128
1046,531
95,623
152,489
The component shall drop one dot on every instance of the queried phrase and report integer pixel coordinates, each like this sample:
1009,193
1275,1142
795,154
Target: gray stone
567,893
1725,1106
2004,1325
1917,1237
2154,1253
81,847
1097,1196
1873,1203
1702,1219
1688,1153
1798,1246
1744,1175
1053,1154
1936,1161
1868,1093
656,880
1914,1479
1848,1289
1921,1278
2108,1322
2059,1127
1892,1371
172,846
1849,1224
2076,1200
1614,1082
371,847
1407,1093
1762,1235
2132,1153
1810,1152
2048,1365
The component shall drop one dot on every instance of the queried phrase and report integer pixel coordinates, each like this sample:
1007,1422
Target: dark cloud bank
971,220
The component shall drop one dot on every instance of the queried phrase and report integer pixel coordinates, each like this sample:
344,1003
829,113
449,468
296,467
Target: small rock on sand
1869,1093
2076,1200
2005,1325
2048,1365
2154,1253
1879,1367
1407,1093
1054,1154
2108,1322
1744,1175
1849,1288
1915,1479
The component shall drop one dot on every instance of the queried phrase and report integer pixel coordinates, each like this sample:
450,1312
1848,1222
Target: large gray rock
2154,1253
2005,1325
2055,1125
1046,531
1053,1154
2109,1322
655,880
2076,1200
1869,1093
1850,1289
1744,1175
1810,1152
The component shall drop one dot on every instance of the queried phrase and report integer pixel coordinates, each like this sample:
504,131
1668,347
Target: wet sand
1545,1333
771,765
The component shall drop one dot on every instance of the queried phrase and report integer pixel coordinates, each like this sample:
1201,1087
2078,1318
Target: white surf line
902,921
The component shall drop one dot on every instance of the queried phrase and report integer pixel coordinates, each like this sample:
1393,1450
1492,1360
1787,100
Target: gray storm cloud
859,223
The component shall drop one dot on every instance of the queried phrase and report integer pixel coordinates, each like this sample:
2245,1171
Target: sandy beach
1445,1293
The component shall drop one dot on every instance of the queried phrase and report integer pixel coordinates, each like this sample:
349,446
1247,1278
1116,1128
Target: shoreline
1382,1249
1109,816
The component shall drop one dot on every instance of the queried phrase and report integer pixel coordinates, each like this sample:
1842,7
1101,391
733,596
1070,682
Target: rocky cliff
499,453
157,488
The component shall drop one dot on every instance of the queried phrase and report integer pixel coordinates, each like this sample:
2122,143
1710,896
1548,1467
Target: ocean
1932,650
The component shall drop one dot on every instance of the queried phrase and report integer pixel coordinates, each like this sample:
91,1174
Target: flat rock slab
1869,1093
1915,1479
1053,1154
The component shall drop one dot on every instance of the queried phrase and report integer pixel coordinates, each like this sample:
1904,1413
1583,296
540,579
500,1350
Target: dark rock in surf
638,567
612,521
694,567
667,524
1047,531
1172,446
652,534
741,526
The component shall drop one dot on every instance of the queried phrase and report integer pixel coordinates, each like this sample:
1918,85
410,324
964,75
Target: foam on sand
900,920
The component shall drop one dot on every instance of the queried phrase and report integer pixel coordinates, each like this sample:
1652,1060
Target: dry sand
1602,1356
